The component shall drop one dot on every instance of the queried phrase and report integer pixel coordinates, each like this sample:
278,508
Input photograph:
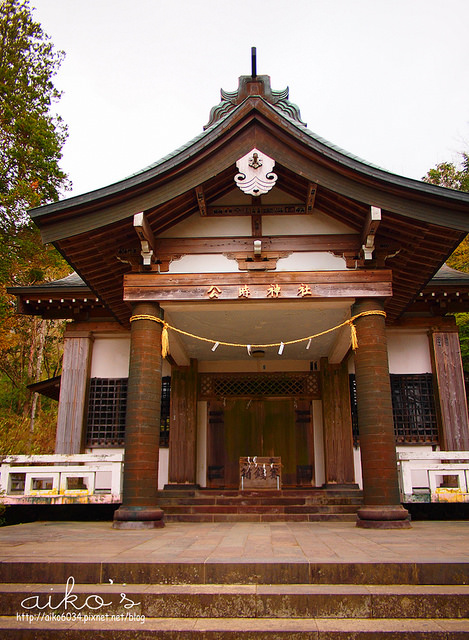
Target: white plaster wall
408,351
110,358
214,263
357,465
165,369
163,465
201,473
312,261
197,227
315,224
318,439
205,263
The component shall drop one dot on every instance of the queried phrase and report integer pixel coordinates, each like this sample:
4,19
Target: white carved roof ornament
255,175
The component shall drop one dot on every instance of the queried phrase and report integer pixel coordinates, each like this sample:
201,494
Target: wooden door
262,427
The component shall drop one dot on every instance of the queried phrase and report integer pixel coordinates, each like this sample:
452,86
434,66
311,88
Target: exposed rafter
146,237
369,232
199,192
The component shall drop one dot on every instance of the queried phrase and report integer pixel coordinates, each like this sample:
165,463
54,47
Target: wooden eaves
421,224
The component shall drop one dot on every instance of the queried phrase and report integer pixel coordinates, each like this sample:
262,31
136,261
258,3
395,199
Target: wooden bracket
267,261
311,197
199,192
146,237
165,260
369,232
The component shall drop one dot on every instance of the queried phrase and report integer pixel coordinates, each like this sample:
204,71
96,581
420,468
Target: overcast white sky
386,80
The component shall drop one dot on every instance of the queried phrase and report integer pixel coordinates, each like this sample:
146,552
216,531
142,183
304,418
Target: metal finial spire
253,62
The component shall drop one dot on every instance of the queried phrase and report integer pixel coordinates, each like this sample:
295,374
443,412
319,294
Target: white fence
423,477
97,478
61,479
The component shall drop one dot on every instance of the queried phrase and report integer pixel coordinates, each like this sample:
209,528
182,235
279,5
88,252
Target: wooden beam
341,346
199,192
183,425
178,351
227,211
338,444
73,392
451,392
257,285
146,237
326,242
369,232
311,197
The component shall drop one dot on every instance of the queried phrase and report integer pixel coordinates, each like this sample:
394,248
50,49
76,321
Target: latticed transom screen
266,385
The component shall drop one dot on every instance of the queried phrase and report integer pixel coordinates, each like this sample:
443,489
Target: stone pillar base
181,487
138,518
383,524
383,517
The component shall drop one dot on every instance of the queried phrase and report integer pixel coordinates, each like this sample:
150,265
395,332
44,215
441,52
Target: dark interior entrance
262,427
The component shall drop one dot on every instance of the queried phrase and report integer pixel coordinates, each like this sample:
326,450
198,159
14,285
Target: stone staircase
222,505
230,600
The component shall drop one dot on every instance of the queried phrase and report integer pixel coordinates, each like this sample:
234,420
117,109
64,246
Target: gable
420,224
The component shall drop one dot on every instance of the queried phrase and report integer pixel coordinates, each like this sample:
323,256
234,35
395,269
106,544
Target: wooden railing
434,476
61,479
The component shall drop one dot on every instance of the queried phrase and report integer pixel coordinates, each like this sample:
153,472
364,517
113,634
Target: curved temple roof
421,223
231,102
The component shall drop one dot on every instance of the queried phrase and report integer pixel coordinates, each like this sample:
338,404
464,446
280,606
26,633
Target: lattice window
165,413
413,406
107,406
270,385
106,412
354,409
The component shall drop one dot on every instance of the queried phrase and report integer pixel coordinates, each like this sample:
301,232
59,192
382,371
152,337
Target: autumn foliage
31,140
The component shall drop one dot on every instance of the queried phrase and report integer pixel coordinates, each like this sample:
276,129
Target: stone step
264,493
240,601
301,505
235,628
165,501
257,508
261,517
193,572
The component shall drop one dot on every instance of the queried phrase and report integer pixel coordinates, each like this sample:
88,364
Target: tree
31,138
31,141
446,174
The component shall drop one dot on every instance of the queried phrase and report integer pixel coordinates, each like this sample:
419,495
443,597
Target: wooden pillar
382,508
338,441
450,389
142,431
183,425
73,392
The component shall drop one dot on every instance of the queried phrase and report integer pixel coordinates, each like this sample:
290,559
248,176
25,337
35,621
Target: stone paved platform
425,542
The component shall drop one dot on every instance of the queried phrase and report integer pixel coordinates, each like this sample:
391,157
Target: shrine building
259,306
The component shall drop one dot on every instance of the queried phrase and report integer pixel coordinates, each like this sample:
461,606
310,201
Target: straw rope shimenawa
166,326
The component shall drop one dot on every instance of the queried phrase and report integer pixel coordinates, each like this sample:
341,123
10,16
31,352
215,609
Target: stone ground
427,542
